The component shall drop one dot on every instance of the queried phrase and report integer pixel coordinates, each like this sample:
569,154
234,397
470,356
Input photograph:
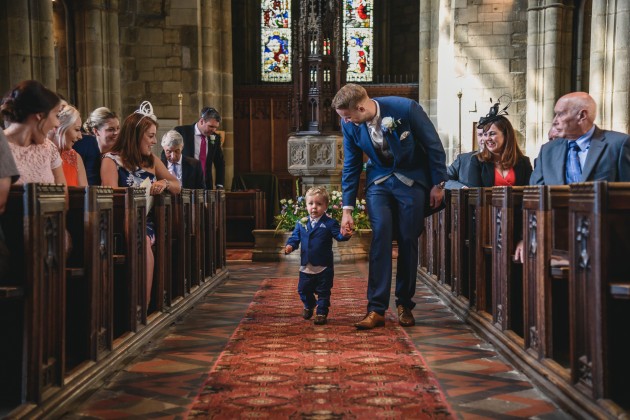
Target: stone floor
163,381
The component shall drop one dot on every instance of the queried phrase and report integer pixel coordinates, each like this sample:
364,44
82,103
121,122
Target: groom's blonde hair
318,191
349,96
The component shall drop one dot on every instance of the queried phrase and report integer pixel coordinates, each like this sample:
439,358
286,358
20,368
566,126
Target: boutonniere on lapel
213,138
304,221
389,124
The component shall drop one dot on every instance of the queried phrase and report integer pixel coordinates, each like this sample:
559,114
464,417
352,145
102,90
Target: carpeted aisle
277,365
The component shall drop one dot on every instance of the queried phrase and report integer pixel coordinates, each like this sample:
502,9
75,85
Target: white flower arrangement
389,124
303,221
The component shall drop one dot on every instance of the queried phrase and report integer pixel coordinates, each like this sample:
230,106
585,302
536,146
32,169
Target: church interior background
270,67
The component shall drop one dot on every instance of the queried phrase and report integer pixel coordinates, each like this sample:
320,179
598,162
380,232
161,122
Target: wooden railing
74,305
562,316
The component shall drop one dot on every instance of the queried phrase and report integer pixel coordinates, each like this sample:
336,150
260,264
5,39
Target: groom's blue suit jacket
419,155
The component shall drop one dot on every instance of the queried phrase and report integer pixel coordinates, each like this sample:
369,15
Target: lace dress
128,178
36,162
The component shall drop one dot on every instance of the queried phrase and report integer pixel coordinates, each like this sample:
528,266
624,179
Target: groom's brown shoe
371,320
405,317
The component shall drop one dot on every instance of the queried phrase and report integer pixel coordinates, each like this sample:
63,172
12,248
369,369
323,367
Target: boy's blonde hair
318,191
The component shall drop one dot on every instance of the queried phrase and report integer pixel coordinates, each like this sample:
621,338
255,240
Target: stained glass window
275,37
358,35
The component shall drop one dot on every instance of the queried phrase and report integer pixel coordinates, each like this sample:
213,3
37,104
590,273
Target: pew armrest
8,292
620,290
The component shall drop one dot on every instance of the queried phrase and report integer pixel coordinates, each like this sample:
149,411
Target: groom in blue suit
405,178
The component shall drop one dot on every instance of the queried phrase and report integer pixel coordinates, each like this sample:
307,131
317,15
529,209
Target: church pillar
27,50
549,35
98,56
217,87
610,62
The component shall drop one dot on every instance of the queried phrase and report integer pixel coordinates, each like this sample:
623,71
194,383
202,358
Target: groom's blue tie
574,170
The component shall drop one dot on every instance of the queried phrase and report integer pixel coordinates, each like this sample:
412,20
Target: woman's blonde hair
67,117
98,118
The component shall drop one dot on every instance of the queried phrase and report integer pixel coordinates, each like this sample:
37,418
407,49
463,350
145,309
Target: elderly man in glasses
187,170
202,142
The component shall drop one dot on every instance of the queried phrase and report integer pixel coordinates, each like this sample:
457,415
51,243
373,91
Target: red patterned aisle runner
277,365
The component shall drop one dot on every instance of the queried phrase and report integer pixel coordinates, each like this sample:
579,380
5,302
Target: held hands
347,223
288,249
436,196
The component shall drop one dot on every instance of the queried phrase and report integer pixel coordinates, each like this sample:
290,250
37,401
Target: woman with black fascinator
501,162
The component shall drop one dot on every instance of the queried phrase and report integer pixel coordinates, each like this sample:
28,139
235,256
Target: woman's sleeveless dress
128,178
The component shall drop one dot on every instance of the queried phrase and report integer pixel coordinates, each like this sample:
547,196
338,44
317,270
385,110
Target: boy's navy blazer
415,145
316,242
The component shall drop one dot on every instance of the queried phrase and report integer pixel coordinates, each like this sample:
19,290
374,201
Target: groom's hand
436,196
347,223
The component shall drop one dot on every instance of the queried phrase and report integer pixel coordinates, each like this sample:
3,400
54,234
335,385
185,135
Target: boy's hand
288,249
347,233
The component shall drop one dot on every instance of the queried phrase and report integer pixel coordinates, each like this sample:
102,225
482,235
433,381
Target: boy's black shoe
307,313
320,319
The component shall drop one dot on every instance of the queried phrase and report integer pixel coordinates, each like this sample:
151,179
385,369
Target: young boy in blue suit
316,257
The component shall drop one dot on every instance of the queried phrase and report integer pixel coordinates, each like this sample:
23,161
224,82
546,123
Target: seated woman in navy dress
130,161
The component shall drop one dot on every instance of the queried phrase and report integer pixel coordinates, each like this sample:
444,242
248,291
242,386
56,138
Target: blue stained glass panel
275,39
358,35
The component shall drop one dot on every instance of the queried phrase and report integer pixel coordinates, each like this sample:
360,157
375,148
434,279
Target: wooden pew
182,221
460,283
599,282
162,251
545,274
210,236
32,297
245,211
89,275
130,307
507,278
443,238
482,200
108,322
471,197
220,227
197,229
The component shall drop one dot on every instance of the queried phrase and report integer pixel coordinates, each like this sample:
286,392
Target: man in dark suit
406,166
581,151
578,150
202,142
187,170
459,169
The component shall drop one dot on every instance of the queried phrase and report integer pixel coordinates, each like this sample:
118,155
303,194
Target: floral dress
128,178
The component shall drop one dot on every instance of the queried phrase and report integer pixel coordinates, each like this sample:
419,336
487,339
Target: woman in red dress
68,133
501,162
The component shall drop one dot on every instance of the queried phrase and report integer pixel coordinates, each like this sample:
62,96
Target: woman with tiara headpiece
130,162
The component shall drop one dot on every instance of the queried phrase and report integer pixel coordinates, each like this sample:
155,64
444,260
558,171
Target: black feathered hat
494,112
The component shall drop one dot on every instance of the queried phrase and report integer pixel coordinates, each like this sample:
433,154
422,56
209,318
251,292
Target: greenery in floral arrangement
293,211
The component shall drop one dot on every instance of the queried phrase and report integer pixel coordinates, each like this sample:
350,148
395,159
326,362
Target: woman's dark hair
511,153
128,143
27,98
